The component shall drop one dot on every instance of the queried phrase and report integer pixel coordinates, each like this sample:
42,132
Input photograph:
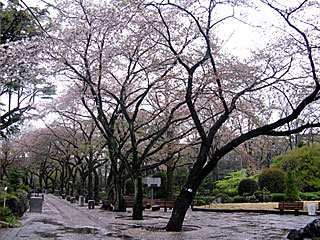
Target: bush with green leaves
309,196
305,163
229,184
25,188
262,195
273,179
224,197
278,197
209,200
215,191
7,216
14,179
247,187
292,192
239,199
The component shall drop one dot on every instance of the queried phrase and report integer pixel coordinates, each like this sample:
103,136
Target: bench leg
296,212
281,211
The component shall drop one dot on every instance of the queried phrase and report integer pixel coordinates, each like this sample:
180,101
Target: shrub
229,184
278,197
215,191
6,215
262,195
224,197
25,188
272,179
247,186
239,199
201,202
14,179
252,199
309,196
292,193
209,200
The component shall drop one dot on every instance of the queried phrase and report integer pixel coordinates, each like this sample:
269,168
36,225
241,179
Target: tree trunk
120,205
109,187
137,213
96,186
62,180
40,179
180,209
170,181
90,182
188,192
1,172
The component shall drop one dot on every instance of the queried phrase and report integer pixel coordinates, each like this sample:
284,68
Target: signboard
151,182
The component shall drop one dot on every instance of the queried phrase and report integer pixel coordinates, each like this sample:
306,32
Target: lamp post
5,195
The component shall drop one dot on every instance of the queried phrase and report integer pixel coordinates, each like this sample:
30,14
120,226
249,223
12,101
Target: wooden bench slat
296,206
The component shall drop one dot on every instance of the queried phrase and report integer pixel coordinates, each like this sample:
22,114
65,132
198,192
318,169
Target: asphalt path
61,219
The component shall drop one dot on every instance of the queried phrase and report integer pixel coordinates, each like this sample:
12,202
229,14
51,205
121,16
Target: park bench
106,205
72,199
91,204
167,204
296,206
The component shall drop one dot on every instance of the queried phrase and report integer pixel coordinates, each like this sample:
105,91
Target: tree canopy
304,162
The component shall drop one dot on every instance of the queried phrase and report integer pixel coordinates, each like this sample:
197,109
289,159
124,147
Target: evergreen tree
292,193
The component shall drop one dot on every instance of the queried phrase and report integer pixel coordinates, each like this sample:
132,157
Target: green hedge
240,199
309,196
278,197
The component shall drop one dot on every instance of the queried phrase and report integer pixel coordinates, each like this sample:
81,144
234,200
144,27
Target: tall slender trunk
90,182
1,171
170,181
96,186
62,179
40,179
137,213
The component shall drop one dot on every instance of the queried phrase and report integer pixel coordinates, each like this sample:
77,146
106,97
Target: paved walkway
63,220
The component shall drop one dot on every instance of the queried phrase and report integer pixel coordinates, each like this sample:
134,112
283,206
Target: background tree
22,76
291,191
121,81
233,85
304,162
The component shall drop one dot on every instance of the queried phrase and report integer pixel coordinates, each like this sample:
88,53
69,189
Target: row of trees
147,80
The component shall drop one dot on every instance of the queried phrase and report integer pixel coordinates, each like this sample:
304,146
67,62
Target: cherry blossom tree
22,77
123,76
288,65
